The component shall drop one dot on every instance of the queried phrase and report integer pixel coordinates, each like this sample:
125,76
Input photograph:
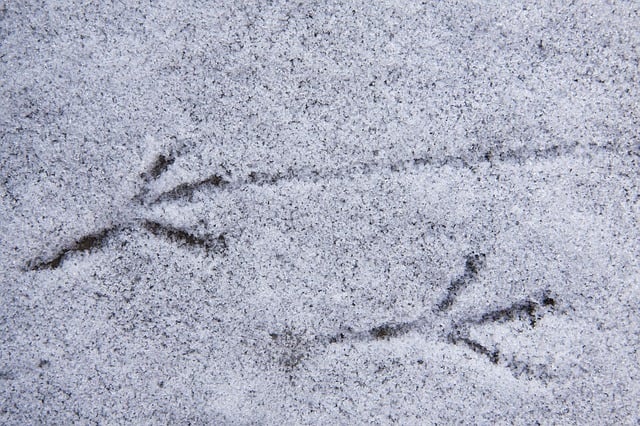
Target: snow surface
319,213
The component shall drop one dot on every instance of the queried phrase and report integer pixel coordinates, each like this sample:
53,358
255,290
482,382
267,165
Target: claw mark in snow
529,311
472,265
84,244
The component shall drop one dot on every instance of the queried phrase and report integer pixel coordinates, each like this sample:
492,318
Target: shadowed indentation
180,236
492,355
387,331
264,178
473,264
161,164
289,348
468,160
527,310
519,368
380,332
453,161
457,333
6,375
521,311
186,190
84,244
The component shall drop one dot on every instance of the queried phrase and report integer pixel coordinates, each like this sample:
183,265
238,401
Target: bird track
456,333
185,191
223,181
529,312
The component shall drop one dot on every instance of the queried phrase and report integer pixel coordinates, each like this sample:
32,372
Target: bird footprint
528,312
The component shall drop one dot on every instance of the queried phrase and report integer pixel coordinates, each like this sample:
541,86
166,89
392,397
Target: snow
319,214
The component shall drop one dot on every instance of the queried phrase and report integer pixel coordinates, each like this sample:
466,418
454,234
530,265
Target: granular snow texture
319,212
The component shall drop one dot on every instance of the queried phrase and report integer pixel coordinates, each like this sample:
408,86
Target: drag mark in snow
469,160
